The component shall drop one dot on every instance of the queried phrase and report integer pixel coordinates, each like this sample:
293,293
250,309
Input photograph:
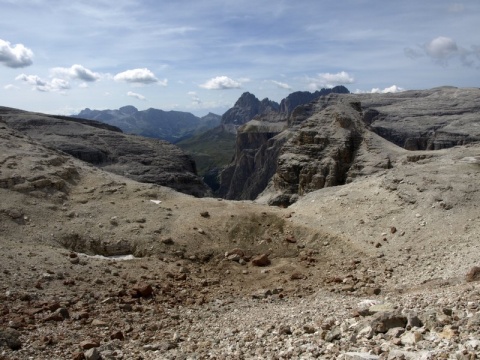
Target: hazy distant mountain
166,125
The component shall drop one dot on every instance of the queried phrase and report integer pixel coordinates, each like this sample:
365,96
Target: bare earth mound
95,265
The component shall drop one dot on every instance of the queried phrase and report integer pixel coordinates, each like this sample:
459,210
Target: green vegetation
211,149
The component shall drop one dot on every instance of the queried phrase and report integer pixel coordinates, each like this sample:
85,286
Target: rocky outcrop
339,137
142,159
258,147
424,120
245,109
166,125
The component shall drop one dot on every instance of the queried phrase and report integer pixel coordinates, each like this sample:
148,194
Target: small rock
359,356
383,321
261,260
143,290
10,338
99,323
411,338
285,330
309,329
290,239
89,344
473,274
92,354
168,241
117,335
334,334
205,214
297,276
261,294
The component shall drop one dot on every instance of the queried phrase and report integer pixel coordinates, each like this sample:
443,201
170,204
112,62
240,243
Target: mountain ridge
169,125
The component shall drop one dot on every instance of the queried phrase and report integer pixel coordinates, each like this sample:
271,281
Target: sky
60,57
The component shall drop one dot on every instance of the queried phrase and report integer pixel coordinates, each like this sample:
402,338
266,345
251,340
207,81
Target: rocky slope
380,268
142,159
338,138
171,126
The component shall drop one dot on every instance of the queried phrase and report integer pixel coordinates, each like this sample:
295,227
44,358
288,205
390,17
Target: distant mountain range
171,126
210,140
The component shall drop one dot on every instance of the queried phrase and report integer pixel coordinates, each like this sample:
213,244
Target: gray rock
359,356
141,159
92,354
10,338
383,321
338,138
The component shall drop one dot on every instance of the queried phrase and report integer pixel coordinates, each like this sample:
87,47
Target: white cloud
195,98
441,48
330,80
77,72
10,87
391,89
15,56
136,95
221,83
39,84
138,76
282,85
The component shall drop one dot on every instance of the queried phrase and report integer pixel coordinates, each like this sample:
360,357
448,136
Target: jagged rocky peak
303,97
246,107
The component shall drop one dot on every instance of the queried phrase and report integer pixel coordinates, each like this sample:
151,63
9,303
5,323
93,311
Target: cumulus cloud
391,89
39,84
442,49
77,72
282,85
136,95
138,76
330,80
221,83
15,56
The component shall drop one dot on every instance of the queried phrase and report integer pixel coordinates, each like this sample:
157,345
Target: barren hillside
95,265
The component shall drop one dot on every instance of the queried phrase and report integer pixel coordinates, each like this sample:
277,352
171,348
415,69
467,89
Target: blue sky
61,56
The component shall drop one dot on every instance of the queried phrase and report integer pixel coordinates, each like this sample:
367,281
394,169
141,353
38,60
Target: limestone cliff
339,137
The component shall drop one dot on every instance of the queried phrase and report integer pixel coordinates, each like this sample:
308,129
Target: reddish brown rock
89,344
142,290
473,274
117,335
290,239
261,260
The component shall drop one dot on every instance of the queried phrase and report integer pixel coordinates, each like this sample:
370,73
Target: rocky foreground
98,266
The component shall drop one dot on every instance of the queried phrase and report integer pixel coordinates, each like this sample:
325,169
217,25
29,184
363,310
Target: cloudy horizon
200,57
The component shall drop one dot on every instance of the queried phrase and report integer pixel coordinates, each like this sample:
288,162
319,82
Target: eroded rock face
339,137
142,159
